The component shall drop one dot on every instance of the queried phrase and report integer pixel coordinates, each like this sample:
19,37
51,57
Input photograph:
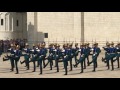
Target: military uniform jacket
96,51
83,52
17,53
34,51
11,51
76,51
27,51
51,52
42,52
88,50
113,50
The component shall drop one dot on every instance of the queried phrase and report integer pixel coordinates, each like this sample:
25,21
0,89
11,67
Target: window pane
46,35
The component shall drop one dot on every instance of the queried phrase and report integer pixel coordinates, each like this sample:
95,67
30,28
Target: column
82,27
35,28
12,24
77,27
8,22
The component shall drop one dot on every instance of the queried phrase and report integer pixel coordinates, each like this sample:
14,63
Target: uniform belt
112,53
27,54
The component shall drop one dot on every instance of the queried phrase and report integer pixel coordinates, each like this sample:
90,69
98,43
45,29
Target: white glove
63,50
25,49
79,50
32,50
92,49
94,54
55,50
38,50
9,49
14,50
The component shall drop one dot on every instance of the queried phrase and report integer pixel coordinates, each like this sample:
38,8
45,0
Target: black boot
75,66
20,62
93,70
102,59
3,59
81,72
16,73
88,64
11,70
65,74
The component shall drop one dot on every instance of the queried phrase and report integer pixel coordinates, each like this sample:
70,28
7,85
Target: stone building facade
61,26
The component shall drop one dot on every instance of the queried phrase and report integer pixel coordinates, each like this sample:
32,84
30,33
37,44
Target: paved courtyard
101,71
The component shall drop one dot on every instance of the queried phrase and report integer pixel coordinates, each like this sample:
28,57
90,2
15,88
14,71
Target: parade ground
101,71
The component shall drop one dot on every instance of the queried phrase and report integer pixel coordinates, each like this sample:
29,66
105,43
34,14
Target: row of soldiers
39,54
112,53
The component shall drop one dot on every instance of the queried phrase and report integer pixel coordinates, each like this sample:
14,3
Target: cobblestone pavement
101,71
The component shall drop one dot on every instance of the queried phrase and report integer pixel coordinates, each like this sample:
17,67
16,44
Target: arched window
2,21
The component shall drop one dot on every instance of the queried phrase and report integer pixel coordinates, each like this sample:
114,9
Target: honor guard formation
54,54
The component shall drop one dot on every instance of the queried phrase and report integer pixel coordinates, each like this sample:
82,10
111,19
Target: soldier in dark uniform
66,58
71,54
113,53
117,54
76,51
88,50
50,57
26,56
10,57
41,55
37,47
34,57
96,52
63,53
44,58
17,57
82,56
107,52
57,57
55,54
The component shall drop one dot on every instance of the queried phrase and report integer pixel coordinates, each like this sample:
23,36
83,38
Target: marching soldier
76,51
96,52
82,51
71,51
107,53
66,58
50,57
44,44
17,57
88,50
26,56
57,57
34,57
41,55
63,53
10,57
118,54
113,54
